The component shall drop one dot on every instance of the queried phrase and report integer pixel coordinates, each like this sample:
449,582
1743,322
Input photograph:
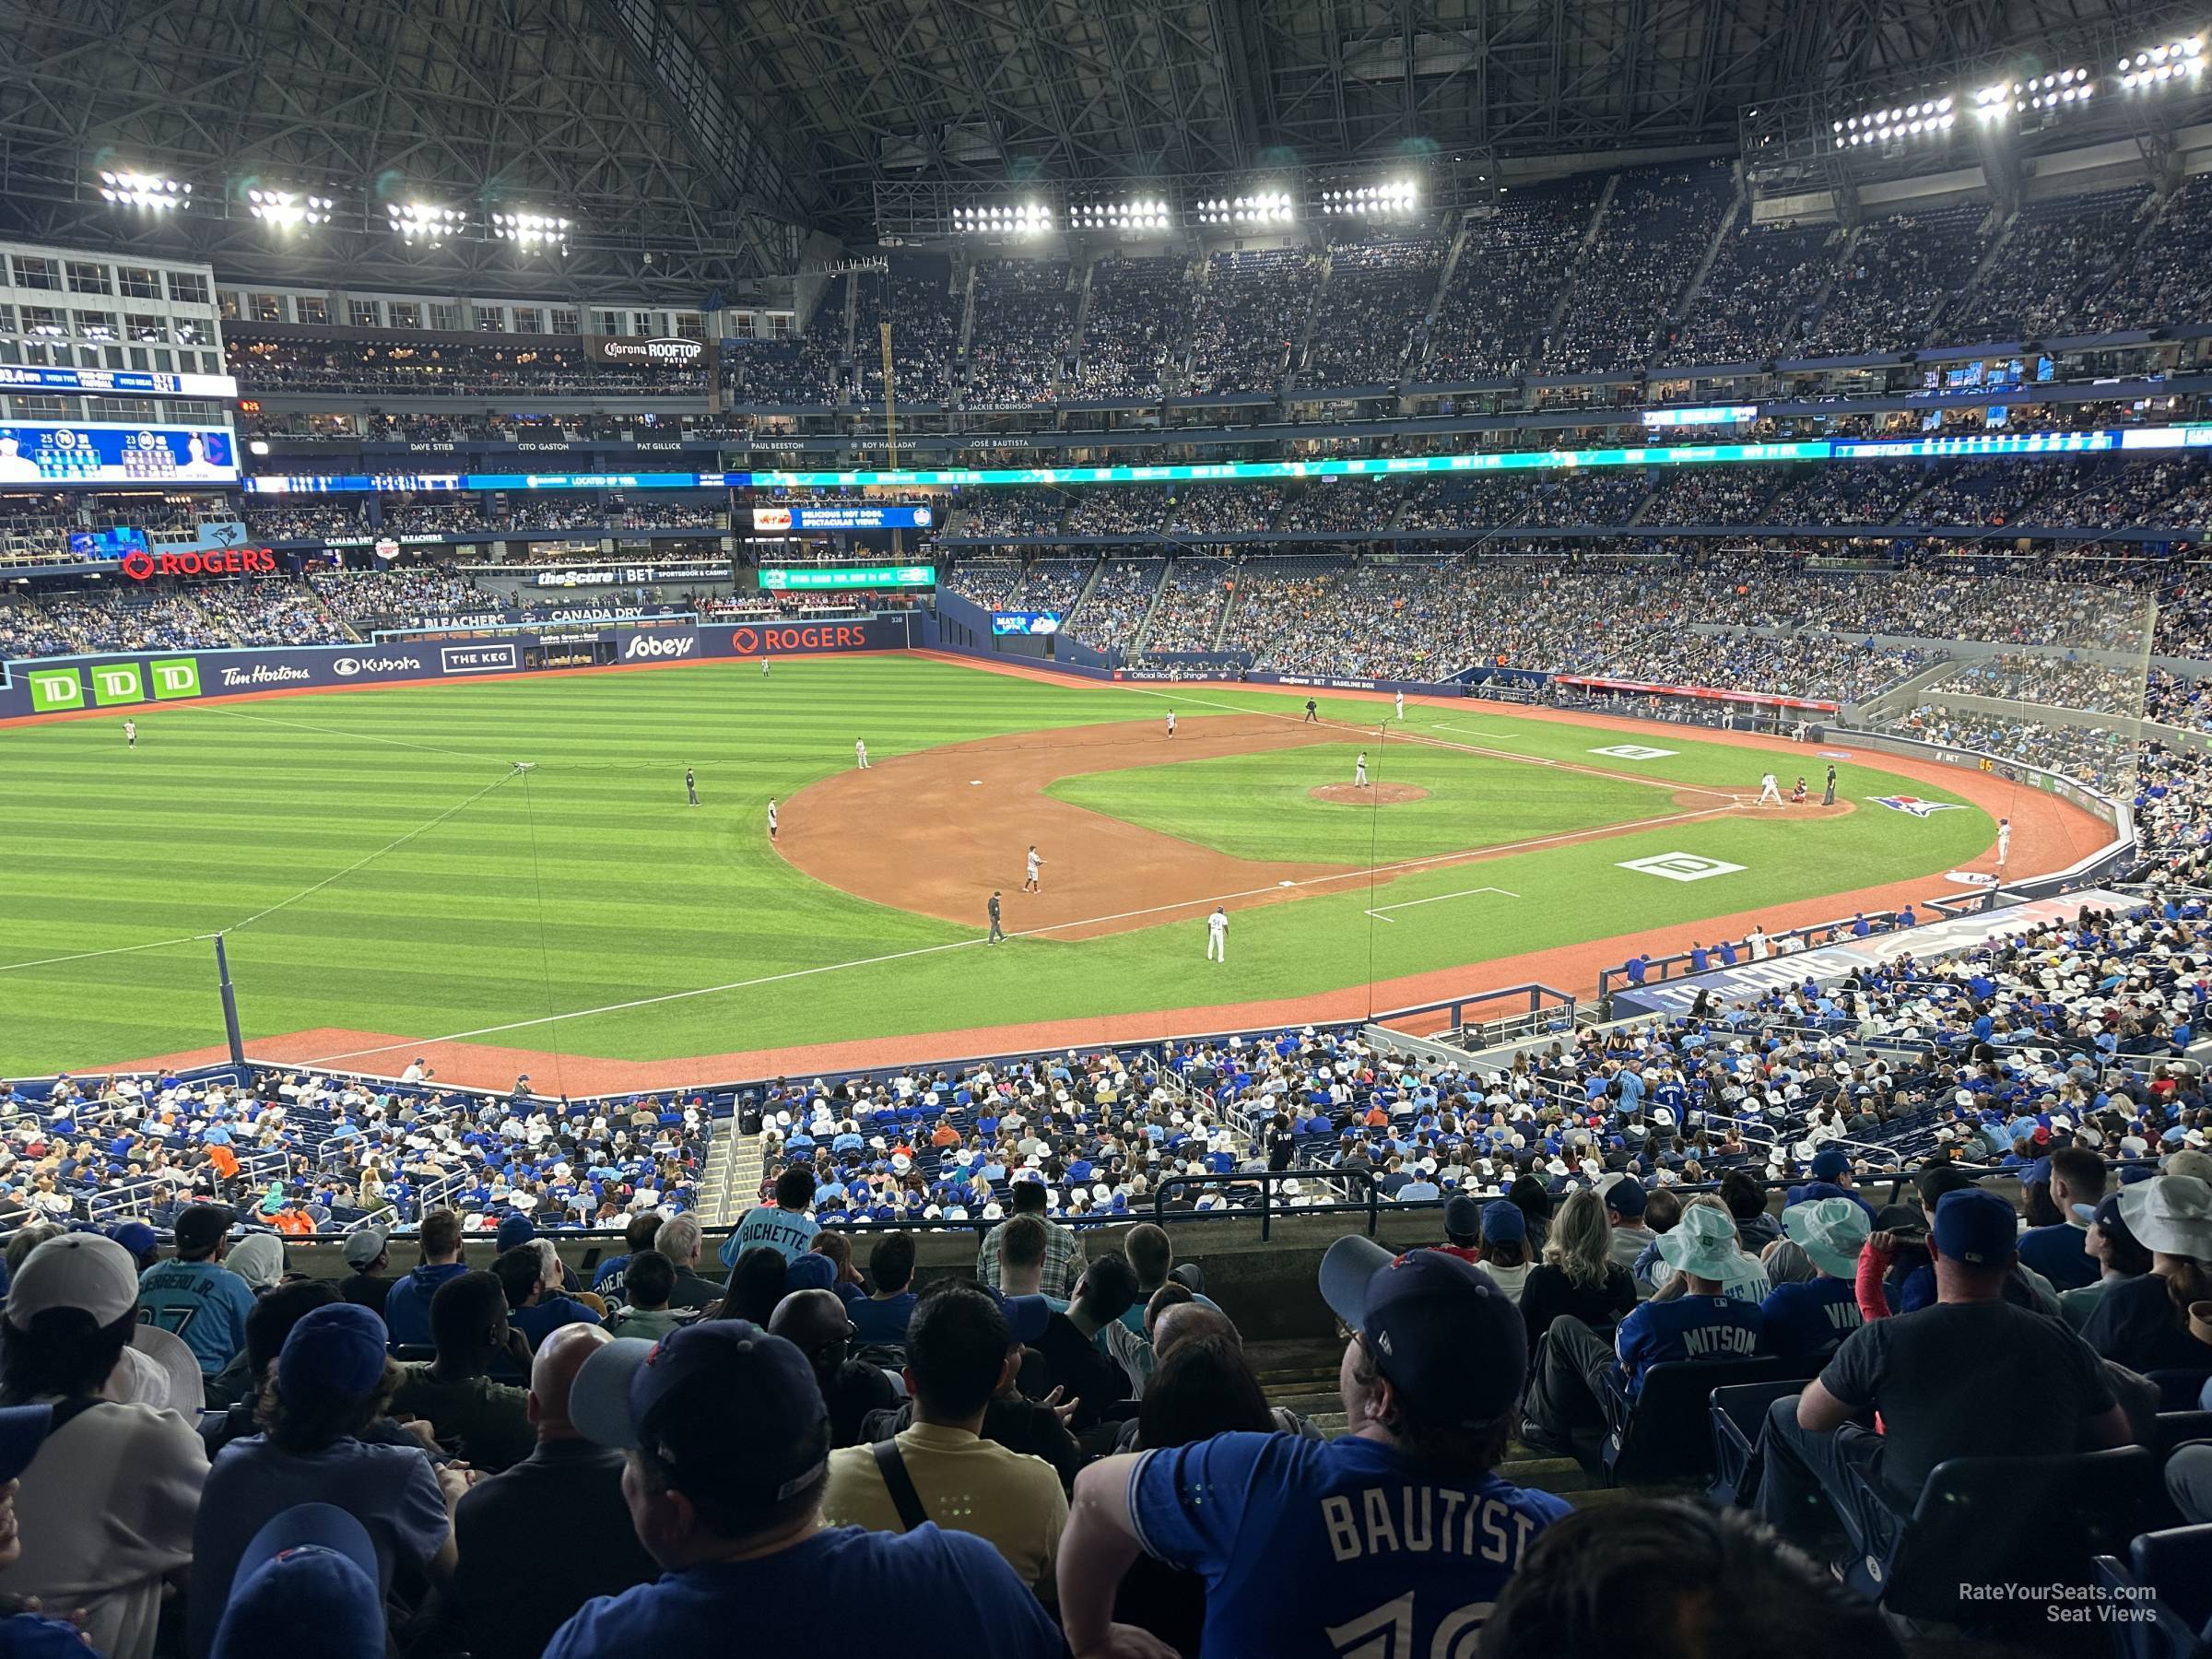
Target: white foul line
1439,899
922,951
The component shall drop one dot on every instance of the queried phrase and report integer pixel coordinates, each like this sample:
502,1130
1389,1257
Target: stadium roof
694,143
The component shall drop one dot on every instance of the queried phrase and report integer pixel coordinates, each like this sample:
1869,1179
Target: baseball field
512,867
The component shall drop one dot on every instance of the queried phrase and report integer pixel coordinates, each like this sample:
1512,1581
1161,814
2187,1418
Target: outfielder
1770,792
130,733
860,753
1171,722
1029,884
763,667
1360,770
1216,935
772,817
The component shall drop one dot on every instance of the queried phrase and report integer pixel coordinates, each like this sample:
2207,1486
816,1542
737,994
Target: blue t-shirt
1323,1548
204,1302
1805,1321
392,1490
972,1606
882,1321
789,1231
2058,1252
1688,1327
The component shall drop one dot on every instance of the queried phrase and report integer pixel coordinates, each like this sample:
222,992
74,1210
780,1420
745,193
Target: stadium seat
2031,1520
1739,1416
2179,1428
2180,1390
1662,1437
2164,1588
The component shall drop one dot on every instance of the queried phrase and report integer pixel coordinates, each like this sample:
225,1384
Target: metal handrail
1268,1180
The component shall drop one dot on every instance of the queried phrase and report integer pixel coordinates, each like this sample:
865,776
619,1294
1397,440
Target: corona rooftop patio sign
225,561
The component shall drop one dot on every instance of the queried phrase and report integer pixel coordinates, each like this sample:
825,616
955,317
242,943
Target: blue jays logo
1914,804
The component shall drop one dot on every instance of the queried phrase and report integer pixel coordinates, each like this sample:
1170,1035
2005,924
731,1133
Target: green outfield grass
423,887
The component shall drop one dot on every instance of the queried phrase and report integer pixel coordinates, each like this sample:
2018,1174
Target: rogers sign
228,561
749,641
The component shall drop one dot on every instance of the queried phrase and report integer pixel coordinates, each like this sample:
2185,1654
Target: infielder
860,752
1171,722
997,933
130,733
1770,792
1029,884
690,786
772,817
1401,705
1216,935
2004,839
1360,770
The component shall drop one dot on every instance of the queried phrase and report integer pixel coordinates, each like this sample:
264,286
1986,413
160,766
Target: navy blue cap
516,1230
1026,1315
734,1412
1626,1197
813,1271
1978,1228
1463,1218
136,1236
1502,1222
2036,1170
311,1568
336,1351
1437,1327
1830,1163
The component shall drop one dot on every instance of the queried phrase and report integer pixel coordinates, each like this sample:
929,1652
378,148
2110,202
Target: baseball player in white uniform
860,752
1171,722
2004,839
1360,770
1401,705
772,817
1029,884
1216,935
1770,792
130,733
763,667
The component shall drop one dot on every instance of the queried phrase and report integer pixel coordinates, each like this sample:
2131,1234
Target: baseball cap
516,1230
1831,1163
77,1270
733,1411
311,1568
203,1226
812,1271
2105,1213
1026,1315
365,1246
1626,1197
1977,1227
136,1236
1503,1222
1462,1216
23,1431
337,1351
1935,1185
1437,1327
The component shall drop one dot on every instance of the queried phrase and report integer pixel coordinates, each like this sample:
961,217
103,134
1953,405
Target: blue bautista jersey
1335,1547
203,1303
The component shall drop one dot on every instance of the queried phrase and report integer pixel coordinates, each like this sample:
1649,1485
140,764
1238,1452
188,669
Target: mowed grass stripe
214,818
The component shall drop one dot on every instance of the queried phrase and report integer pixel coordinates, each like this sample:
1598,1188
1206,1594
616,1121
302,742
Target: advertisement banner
1025,622
662,351
68,686
123,382
812,578
94,455
861,516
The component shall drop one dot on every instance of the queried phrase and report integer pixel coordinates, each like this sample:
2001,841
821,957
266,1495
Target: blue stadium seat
1662,1437
2162,1594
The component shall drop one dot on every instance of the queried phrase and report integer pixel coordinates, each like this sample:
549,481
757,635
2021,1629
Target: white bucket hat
1832,1231
2169,1214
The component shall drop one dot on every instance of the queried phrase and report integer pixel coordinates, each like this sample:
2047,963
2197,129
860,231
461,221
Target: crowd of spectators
994,513
1135,325
1223,509
305,521
436,369
416,592
1372,308
2056,254
1195,592
1120,596
1116,510
1631,279
1759,298
1897,273
2161,280
1017,341
926,333
1250,312
254,610
1514,262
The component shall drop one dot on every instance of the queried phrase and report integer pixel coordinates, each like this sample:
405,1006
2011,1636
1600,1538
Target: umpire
997,933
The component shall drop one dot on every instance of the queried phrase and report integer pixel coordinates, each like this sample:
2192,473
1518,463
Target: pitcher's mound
1370,794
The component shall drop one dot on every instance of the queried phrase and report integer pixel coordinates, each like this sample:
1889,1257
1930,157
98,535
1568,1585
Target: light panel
154,191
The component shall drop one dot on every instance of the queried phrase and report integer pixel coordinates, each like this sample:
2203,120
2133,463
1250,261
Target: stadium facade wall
117,684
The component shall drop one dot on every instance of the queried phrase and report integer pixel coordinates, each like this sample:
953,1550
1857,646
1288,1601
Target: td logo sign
58,690
55,690
174,676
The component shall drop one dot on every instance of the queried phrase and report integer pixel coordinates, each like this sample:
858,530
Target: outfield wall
119,683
